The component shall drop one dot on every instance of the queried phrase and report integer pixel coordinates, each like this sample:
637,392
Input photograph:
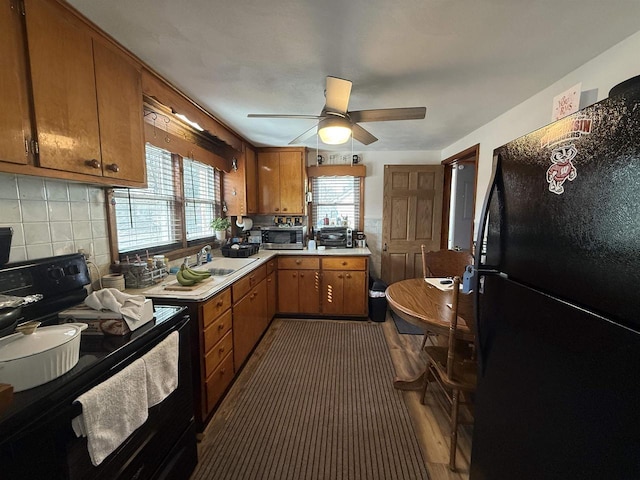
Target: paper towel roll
113,280
246,224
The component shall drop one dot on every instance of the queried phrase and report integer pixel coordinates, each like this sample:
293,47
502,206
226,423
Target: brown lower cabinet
323,285
250,318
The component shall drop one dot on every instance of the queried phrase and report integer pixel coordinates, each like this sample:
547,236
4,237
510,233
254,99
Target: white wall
603,72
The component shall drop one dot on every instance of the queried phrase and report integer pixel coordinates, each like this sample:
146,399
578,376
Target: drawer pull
220,303
344,263
298,262
222,372
221,326
221,349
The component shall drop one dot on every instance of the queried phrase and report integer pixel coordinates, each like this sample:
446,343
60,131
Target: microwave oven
336,237
283,238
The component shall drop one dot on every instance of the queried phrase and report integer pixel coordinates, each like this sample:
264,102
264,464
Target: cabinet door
248,322
15,124
64,90
119,90
309,291
288,292
251,175
233,183
269,182
355,292
332,288
272,296
291,188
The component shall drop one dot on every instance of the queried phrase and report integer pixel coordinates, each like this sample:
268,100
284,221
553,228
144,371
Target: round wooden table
425,306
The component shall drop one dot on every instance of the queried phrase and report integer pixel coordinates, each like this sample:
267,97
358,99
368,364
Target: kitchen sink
221,266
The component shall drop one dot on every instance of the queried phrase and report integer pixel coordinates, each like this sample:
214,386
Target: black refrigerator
558,301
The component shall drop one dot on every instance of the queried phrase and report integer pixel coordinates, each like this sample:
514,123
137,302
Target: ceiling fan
336,124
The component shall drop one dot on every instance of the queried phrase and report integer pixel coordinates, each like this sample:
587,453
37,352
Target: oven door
163,447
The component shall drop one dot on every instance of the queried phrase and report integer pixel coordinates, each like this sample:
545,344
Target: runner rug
320,405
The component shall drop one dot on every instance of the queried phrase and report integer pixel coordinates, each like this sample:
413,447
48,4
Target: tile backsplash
53,217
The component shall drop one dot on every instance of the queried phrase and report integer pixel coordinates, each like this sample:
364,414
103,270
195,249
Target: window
336,200
176,208
201,204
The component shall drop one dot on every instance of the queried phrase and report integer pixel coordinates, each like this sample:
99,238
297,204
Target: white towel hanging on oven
113,410
162,369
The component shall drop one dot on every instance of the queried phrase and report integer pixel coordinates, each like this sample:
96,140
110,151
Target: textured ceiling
467,61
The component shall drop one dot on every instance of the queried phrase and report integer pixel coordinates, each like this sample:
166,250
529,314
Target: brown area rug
320,405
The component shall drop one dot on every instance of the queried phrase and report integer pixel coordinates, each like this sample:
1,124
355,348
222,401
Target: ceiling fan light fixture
334,131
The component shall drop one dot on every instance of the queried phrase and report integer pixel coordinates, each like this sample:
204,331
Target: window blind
147,218
337,199
202,198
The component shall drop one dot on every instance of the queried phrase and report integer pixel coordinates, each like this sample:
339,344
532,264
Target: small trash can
377,300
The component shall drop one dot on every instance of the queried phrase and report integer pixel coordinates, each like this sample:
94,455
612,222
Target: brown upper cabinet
15,123
240,184
281,181
87,98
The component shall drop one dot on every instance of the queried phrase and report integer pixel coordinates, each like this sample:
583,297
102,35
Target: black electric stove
40,418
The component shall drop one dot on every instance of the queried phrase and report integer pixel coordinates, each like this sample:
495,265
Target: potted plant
220,226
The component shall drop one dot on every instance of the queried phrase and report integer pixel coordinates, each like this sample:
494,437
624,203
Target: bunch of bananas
187,276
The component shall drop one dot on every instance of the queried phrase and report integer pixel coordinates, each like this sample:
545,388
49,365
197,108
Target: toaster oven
336,237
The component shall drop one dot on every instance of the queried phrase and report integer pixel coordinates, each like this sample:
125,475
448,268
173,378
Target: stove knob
56,273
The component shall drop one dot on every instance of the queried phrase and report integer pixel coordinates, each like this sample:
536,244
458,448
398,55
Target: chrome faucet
201,256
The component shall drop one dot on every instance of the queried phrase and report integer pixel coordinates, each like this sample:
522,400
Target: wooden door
119,90
119,94
332,288
251,175
291,187
64,90
15,123
309,291
269,182
272,296
411,216
355,293
288,292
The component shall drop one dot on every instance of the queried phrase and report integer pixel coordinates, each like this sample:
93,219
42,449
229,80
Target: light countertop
215,284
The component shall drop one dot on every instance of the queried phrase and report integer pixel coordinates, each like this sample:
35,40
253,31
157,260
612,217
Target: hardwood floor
432,427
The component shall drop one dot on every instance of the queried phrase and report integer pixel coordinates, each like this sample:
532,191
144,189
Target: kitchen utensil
6,233
27,361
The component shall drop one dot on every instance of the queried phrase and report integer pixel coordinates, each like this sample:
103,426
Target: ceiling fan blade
270,115
337,94
384,114
362,135
301,138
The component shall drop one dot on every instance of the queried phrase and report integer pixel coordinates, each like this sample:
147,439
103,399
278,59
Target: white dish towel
112,410
162,369
130,306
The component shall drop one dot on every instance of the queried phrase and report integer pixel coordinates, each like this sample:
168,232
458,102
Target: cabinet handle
93,163
268,280
113,167
339,276
302,275
284,209
221,326
221,349
344,263
222,372
298,262
276,209
294,275
348,275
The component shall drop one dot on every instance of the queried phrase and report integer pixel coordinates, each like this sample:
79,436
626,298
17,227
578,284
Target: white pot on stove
30,360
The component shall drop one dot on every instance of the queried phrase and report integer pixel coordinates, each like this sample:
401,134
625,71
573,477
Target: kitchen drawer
246,283
298,263
219,380
272,265
217,353
344,263
218,329
214,307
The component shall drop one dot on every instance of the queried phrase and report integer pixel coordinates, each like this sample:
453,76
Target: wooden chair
453,367
443,263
